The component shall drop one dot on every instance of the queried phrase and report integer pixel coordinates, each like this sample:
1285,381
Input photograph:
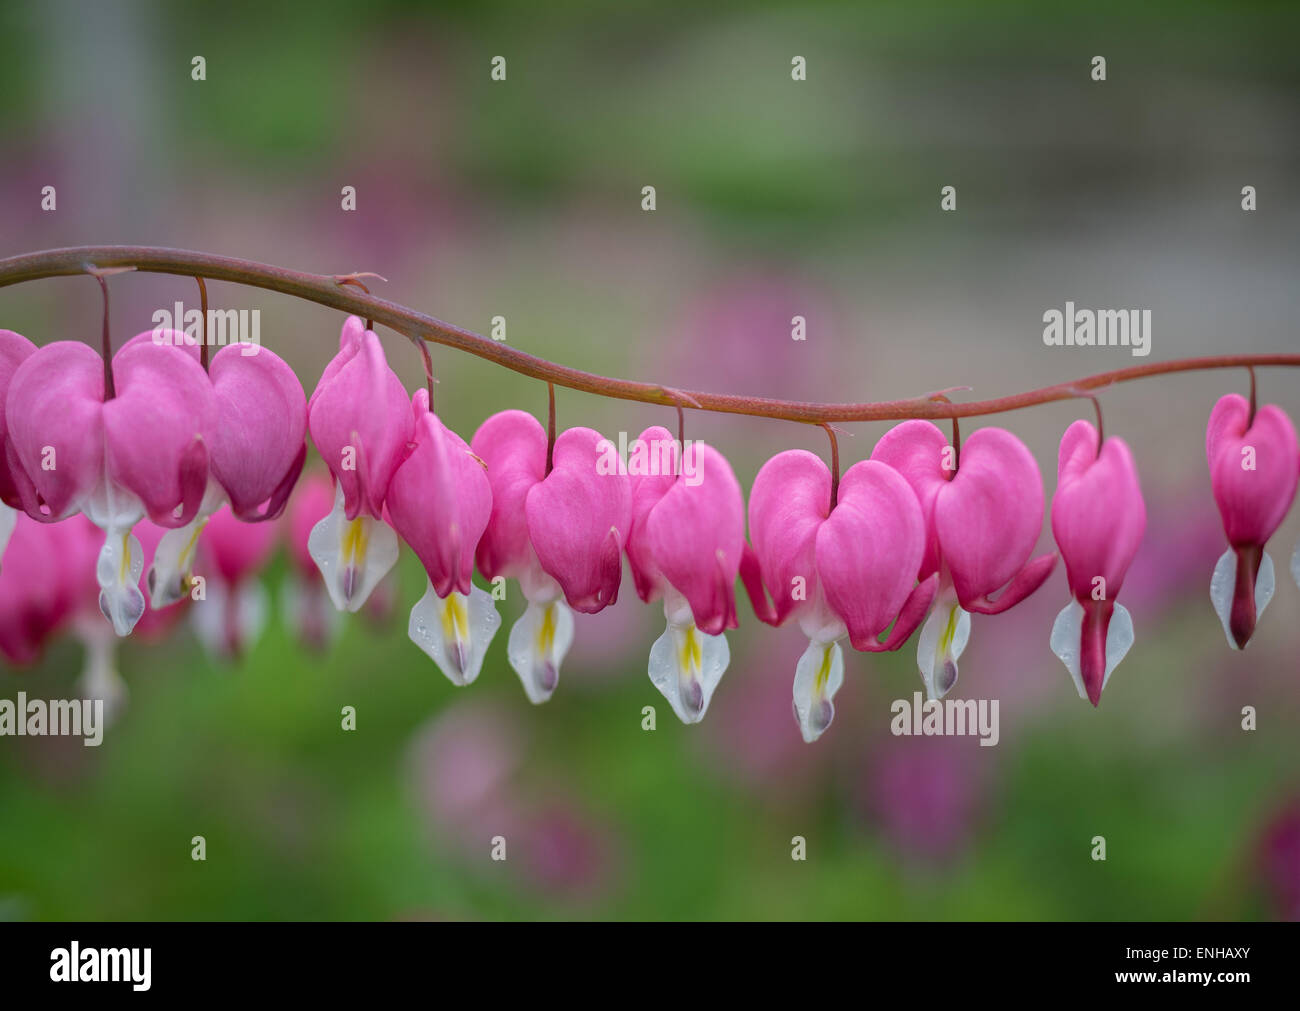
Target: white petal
100,679
8,520
352,555
686,666
1067,637
455,632
173,564
308,607
943,640
817,678
118,569
539,642
228,623
1223,586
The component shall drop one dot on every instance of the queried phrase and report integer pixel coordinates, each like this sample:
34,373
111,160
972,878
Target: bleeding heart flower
847,568
685,545
14,350
439,501
256,448
42,580
360,421
231,613
560,533
141,452
983,513
305,597
1254,466
1098,518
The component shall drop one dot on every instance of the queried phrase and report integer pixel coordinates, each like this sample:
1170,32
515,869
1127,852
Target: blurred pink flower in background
1278,860
738,338
232,613
469,770
926,794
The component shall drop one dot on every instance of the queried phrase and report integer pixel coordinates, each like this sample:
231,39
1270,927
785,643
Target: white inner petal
539,642
686,666
1067,640
1223,587
943,640
455,632
228,623
8,520
118,570
352,555
817,678
99,677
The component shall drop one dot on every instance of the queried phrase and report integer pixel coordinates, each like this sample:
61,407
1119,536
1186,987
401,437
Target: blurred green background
522,199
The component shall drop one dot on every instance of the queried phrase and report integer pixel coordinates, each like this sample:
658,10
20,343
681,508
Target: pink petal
1098,516
311,503
234,548
916,449
1252,503
56,399
578,519
14,350
696,534
359,409
647,491
790,500
990,514
513,445
154,428
439,501
256,448
869,550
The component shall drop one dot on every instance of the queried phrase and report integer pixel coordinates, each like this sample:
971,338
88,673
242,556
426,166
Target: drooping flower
439,501
983,513
232,611
685,545
560,533
1254,467
847,568
256,448
360,420
1098,518
40,584
140,452
306,600
14,350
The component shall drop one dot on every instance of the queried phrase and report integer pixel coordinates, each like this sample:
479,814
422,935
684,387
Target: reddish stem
325,289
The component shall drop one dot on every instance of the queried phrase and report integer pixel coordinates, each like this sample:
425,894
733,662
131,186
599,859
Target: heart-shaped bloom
685,545
983,514
360,420
439,501
231,611
306,600
14,350
42,577
1098,518
142,452
561,534
843,569
1254,467
256,448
